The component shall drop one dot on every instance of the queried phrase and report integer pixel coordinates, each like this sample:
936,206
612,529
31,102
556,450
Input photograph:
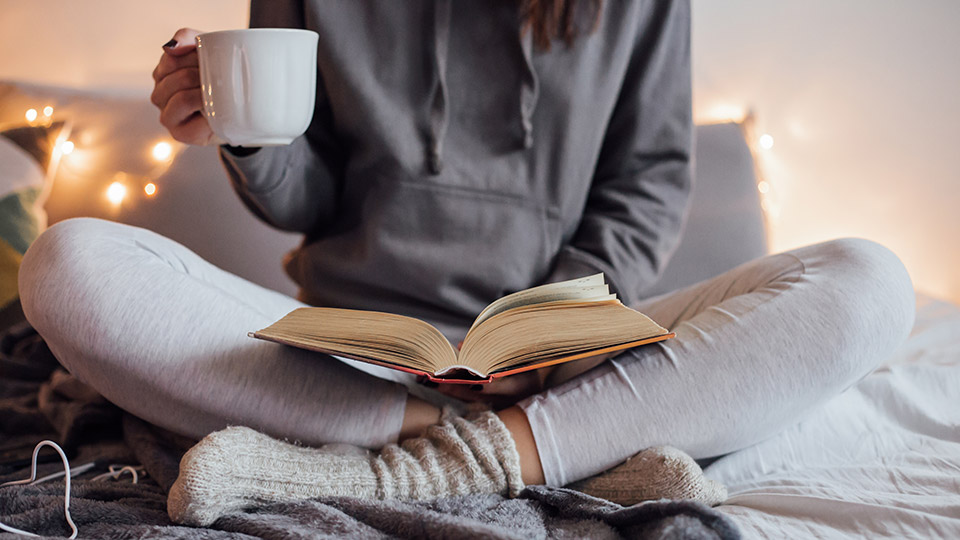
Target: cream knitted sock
661,472
238,467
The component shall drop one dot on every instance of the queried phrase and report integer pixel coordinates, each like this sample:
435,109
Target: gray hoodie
450,161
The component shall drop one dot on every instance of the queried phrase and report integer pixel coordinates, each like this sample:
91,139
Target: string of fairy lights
761,146
767,200
162,152
119,189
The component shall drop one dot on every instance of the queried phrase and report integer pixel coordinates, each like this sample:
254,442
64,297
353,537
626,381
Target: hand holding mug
250,87
176,90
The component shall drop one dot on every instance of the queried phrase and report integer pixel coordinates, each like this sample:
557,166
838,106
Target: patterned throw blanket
39,400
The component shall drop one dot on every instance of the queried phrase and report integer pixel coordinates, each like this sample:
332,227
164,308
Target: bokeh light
162,151
116,192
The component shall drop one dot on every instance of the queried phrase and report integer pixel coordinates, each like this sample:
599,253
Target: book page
363,335
588,288
540,333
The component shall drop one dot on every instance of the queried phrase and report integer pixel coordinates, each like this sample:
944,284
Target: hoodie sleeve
638,197
291,187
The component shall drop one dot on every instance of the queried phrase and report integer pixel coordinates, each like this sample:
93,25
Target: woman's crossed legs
162,333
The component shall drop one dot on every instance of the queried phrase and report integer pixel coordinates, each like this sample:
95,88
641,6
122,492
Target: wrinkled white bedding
880,460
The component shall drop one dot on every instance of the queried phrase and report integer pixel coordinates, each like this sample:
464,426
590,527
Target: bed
880,460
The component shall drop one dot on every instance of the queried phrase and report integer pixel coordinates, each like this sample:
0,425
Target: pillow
26,157
193,203
113,133
725,226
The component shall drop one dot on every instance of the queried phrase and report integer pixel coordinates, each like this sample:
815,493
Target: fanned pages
585,288
530,329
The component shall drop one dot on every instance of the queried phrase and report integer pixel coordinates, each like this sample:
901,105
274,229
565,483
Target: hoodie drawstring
438,101
529,87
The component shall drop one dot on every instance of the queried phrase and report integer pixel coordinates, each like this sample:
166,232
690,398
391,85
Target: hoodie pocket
434,248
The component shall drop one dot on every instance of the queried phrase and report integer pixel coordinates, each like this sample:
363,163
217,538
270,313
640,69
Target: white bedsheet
882,460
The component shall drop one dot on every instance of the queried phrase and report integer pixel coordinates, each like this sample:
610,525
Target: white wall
862,98
859,95
100,43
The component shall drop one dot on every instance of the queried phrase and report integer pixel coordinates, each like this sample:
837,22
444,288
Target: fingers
169,64
195,130
516,385
176,90
179,52
462,392
186,78
180,101
182,116
180,107
184,41
499,393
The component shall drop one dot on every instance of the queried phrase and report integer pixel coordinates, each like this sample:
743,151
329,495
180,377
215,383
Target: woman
459,151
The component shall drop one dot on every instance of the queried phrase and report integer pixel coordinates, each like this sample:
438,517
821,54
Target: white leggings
163,334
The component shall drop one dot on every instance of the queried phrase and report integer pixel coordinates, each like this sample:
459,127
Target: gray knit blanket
39,400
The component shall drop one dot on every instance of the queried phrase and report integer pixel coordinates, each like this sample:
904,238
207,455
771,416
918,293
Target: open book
530,329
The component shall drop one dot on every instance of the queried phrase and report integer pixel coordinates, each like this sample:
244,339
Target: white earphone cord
114,472
33,478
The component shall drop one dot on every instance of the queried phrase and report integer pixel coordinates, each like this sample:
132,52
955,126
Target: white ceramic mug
259,85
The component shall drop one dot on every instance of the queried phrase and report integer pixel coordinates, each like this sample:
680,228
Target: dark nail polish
170,44
476,387
430,384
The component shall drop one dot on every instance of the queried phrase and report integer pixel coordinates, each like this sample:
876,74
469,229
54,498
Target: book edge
300,345
585,354
436,377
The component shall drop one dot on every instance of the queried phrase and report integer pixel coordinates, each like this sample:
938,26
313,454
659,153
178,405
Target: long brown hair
559,19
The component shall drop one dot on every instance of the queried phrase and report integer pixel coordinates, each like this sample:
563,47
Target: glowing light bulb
150,189
162,151
31,115
66,147
763,187
48,111
116,192
766,141
726,112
